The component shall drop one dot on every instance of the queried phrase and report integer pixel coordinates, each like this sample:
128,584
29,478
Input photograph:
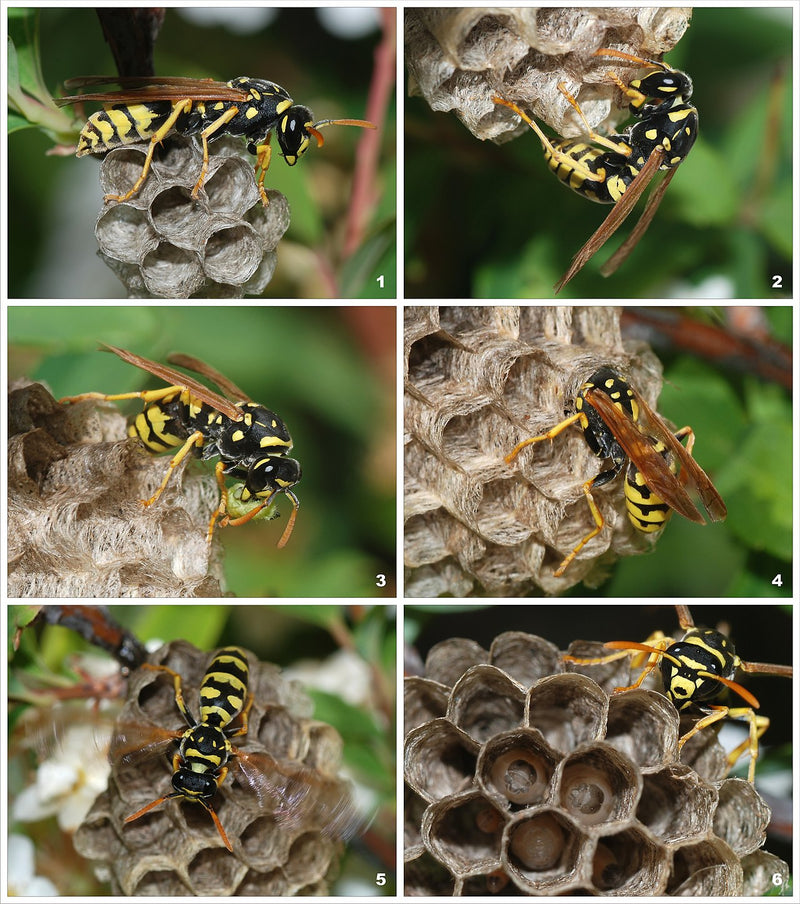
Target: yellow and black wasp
620,426
665,129
153,108
695,671
204,755
251,442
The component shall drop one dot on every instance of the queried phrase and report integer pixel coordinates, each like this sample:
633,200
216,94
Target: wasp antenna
736,688
218,824
292,518
150,806
621,55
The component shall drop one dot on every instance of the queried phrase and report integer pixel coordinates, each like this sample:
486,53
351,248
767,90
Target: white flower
68,782
21,879
343,673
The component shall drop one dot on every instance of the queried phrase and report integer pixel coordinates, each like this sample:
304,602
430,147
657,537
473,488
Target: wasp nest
478,381
165,244
523,777
175,849
76,527
458,58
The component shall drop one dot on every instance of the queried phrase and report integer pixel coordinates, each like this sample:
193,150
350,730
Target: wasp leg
219,473
553,432
176,678
657,641
551,150
637,98
196,439
599,523
758,725
147,396
263,158
617,147
242,730
225,118
179,107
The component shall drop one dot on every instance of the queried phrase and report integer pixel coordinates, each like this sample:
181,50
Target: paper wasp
153,108
296,793
665,129
695,670
251,441
620,426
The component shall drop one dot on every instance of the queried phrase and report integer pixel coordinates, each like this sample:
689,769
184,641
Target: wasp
205,755
153,108
665,129
695,671
621,427
251,442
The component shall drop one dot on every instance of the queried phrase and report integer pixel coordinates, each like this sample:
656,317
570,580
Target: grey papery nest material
77,527
458,58
523,777
163,243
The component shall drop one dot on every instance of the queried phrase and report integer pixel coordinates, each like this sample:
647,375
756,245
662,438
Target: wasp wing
621,254
174,378
231,390
136,89
134,742
690,469
298,795
619,213
641,452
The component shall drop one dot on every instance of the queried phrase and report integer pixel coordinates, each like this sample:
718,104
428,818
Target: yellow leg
595,136
181,106
196,439
147,396
176,678
553,432
758,725
658,642
557,155
207,132
262,165
599,523
223,500
242,730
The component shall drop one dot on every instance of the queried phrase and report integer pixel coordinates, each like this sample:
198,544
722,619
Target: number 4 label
778,580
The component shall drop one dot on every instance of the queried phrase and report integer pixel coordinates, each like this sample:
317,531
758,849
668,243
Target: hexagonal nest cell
283,844
524,775
76,525
163,243
478,380
459,58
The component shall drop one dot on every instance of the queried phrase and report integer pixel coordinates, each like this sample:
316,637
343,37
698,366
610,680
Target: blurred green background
54,201
488,221
330,373
348,651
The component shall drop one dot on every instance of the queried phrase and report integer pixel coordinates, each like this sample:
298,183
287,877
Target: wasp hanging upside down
153,108
251,441
620,426
663,134
695,671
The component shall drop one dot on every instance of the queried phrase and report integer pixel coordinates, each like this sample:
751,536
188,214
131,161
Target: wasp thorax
507,790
